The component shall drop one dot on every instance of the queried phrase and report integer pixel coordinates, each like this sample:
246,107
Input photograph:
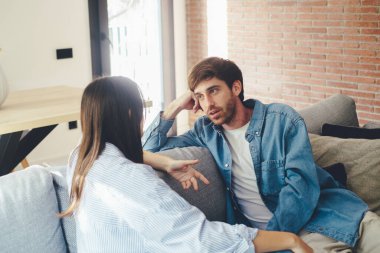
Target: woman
120,205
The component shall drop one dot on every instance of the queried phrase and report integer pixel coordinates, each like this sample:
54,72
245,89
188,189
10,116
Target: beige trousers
369,238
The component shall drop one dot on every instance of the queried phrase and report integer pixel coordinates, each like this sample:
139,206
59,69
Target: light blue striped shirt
126,207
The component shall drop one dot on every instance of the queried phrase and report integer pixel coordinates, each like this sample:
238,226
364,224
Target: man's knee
323,244
369,231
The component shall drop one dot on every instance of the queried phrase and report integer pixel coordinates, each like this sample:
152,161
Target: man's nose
209,101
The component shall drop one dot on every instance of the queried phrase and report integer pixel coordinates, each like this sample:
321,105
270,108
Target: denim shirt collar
257,121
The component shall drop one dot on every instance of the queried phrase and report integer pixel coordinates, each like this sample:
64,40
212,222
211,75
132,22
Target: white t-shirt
244,182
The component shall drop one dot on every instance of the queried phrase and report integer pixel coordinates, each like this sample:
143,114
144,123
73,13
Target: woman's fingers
201,177
190,162
194,181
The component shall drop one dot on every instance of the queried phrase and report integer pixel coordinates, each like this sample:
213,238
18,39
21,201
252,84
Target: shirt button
228,188
226,165
257,133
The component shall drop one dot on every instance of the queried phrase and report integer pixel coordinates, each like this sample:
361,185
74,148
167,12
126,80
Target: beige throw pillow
361,159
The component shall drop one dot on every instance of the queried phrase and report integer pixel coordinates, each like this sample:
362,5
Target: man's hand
183,171
184,102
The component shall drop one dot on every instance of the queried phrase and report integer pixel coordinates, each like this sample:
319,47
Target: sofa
30,199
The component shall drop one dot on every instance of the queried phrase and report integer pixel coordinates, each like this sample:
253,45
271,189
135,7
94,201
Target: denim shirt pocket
272,176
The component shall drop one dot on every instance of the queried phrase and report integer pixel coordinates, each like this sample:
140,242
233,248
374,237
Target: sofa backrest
338,109
210,199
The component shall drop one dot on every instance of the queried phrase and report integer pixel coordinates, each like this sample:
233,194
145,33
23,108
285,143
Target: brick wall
300,52
196,11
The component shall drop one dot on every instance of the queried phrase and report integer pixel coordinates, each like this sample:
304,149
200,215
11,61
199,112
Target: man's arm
184,102
299,198
155,137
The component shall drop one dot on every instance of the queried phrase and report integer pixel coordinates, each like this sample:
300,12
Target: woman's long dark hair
111,111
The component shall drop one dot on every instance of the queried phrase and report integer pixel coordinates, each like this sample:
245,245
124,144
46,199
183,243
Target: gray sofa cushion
68,223
28,213
338,110
210,199
361,159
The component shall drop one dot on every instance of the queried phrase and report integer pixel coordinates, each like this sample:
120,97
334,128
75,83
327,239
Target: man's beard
227,114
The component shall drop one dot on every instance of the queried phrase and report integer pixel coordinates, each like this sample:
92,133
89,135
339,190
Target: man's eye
213,91
199,97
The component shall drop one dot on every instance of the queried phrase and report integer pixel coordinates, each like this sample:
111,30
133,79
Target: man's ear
236,87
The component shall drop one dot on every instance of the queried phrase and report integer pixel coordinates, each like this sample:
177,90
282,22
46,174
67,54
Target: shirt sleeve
155,137
176,226
301,191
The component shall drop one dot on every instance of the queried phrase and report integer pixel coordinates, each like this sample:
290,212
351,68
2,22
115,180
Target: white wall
30,33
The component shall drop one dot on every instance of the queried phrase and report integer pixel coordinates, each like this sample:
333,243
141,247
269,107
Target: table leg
8,148
13,149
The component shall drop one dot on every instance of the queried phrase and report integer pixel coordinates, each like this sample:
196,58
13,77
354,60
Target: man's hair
217,67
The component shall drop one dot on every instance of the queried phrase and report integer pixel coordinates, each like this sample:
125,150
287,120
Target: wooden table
38,110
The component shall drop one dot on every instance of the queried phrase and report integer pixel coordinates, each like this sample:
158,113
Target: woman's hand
183,171
267,241
301,247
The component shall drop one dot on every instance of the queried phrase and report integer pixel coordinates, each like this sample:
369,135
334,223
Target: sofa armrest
210,199
338,110
28,213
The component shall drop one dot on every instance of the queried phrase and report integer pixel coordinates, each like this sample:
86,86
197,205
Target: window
130,44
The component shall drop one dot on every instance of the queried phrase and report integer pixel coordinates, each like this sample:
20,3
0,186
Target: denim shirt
299,193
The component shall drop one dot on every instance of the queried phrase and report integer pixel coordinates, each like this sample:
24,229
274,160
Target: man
264,155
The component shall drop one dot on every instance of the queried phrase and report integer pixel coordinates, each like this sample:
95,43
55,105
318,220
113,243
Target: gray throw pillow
361,159
28,213
338,109
210,199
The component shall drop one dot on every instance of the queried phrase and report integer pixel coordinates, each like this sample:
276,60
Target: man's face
217,100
